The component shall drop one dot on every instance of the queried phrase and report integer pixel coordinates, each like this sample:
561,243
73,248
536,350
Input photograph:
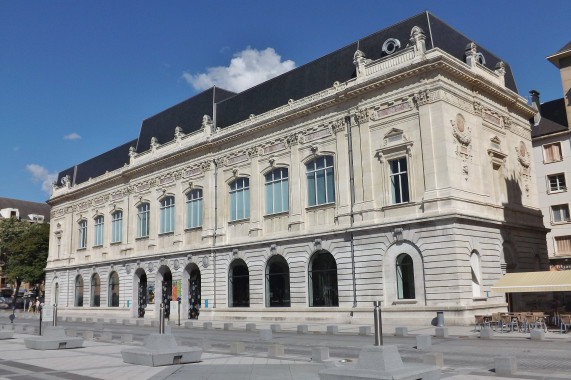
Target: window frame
561,186
560,207
167,214
270,186
556,240
82,234
312,175
117,227
239,196
143,220
400,175
193,203
548,146
98,230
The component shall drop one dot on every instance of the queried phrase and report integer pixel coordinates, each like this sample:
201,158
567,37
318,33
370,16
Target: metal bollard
162,319
179,311
378,324
55,315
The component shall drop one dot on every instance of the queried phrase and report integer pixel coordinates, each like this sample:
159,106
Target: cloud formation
248,68
72,136
41,174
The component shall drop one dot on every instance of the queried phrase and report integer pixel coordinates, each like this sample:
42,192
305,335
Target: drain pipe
213,253
352,194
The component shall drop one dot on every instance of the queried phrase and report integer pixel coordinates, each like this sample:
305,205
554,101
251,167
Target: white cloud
248,68
72,136
41,174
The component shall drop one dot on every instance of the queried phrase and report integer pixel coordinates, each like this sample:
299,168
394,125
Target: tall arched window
323,280
405,277
476,274
320,181
167,215
277,282
143,219
98,231
240,199
82,237
194,209
78,300
277,194
113,294
95,291
117,227
238,284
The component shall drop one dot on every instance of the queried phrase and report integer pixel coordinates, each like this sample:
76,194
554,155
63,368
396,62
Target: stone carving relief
463,138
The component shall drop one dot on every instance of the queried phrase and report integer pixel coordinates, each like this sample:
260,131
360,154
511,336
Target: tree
23,251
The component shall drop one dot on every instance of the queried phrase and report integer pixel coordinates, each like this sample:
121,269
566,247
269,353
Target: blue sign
127,303
205,303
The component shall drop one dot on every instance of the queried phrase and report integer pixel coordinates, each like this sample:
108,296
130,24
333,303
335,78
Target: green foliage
24,250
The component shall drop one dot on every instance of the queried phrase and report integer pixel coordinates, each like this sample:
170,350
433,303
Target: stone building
396,168
552,151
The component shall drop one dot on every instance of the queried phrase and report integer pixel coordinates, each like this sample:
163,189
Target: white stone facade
471,185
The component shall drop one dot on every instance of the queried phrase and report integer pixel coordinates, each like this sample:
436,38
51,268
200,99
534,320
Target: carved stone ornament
150,267
205,261
460,130
128,268
207,122
175,264
522,154
154,143
178,133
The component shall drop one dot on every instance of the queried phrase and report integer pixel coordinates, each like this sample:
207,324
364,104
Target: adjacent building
552,152
32,212
397,168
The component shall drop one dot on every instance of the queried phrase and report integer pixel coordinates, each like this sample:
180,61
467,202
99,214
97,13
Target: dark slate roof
338,66
565,48
96,166
26,208
553,119
187,115
300,82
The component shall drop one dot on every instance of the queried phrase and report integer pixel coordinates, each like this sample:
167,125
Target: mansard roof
553,119
26,208
227,108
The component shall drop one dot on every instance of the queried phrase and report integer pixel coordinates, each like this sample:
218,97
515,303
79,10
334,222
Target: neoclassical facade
396,169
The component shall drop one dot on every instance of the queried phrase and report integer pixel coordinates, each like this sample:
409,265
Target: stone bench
275,350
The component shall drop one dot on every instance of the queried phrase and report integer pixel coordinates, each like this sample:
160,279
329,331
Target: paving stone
401,331
433,358
423,342
319,354
441,332
333,329
107,336
275,350
364,330
237,348
505,365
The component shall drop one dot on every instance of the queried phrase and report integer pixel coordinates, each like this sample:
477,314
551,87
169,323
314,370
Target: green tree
23,251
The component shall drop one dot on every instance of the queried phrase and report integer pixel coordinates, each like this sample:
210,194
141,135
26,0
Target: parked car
5,303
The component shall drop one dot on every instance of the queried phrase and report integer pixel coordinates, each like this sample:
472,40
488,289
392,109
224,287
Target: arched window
320,181
476,274
167,215
277,282
82,237
240,199
113,294
405,277
78,301
277,194
98,231
194,209
323,280
238,284
117,227
95,291
143,219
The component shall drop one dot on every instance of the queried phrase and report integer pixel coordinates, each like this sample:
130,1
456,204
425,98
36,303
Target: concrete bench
364,330
250,327
433,358
302,329
207,325
401,331
275,350
237,348
266,334
319,354
505,365
126,338
441,332
275,327
423,342
228,326
331,330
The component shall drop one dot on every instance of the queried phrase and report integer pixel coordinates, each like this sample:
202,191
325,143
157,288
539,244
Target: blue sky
77,78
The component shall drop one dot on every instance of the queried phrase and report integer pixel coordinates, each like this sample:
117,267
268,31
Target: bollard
162,319
439,319
55,315
378,324
179,311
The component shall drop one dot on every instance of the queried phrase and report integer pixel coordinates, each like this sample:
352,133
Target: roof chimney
562,59
535,104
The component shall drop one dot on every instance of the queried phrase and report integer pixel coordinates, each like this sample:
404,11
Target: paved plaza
465,355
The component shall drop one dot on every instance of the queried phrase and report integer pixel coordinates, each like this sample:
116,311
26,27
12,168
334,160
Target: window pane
269,199
330,186
232,206
320,163
198,213
311,195
247,203
404,182
320,190
285,193
278,197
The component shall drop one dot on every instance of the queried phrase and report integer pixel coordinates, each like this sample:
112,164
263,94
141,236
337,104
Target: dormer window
390,46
